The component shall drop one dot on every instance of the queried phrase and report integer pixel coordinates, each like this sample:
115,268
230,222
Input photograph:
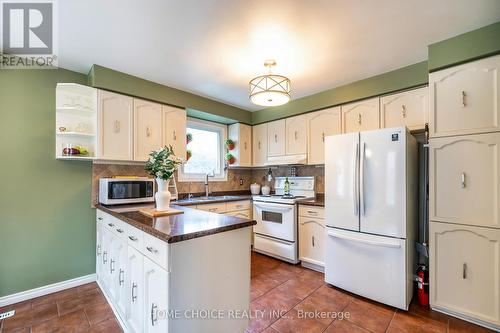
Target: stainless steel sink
209,198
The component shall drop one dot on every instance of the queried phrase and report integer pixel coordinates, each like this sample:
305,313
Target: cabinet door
135,311
115,126
259,144
122,294
311,241
465,270
276,137
465,99
409,108
245,148
360,116
155,297
148,133
296,135
111,267
104,262
174,129
465,179
321,124
98,252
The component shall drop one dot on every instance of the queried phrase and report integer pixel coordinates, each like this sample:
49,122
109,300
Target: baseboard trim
466,318
45,290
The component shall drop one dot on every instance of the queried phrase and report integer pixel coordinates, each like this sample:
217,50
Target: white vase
163,195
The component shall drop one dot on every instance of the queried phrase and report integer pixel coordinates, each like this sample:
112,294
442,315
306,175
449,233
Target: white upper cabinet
259,145
296,135
115,126
148,134
276,138
174,130
241,134
321,124
409,108
361,116
465,270
465,179
465,99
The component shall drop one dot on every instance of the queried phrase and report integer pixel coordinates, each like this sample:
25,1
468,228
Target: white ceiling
214,47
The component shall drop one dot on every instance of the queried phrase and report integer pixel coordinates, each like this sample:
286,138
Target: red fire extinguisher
423,285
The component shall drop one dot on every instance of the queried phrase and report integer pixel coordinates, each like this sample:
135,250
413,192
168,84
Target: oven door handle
281,207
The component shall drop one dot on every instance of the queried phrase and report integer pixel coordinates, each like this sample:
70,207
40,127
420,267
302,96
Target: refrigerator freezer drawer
368,265
276,248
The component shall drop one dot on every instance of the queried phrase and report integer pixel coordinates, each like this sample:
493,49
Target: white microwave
117,191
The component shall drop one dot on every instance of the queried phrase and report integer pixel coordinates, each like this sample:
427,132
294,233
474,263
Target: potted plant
230,158
189,153
230,144
161,165
189,138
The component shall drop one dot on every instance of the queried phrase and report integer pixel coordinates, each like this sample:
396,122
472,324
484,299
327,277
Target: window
206,151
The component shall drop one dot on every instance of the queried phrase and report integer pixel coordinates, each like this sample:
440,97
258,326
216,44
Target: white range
275,233
370,213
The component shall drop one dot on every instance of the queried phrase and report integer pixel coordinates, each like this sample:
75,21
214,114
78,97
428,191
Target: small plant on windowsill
189,138
189,153
230,144
230,159
162,164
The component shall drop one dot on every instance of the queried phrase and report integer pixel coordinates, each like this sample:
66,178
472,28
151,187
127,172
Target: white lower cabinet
312,237
138,282
134,282
155,297
465,272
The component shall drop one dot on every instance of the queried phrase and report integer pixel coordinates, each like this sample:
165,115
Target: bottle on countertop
286,190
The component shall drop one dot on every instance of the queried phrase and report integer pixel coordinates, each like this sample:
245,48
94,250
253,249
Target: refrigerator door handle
362,179
355,194
365,241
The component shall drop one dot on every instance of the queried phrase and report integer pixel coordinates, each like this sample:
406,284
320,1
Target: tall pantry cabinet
464,153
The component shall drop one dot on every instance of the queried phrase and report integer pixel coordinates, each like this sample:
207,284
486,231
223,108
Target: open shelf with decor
76,122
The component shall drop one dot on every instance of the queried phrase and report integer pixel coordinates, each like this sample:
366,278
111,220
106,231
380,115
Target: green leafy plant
230,158
230,144
189,138
189,153
162,163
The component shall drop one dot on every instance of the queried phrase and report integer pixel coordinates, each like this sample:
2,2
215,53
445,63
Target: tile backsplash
248,176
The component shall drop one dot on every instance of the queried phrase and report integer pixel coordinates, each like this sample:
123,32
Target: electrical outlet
7,314
241,181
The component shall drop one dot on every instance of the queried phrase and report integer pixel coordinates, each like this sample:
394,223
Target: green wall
47,228
403,78
466,47
197,106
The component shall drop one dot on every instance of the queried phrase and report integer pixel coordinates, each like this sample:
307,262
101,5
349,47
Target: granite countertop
191,224
214,199
318,201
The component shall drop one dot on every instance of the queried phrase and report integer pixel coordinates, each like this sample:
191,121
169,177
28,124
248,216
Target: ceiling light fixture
270,89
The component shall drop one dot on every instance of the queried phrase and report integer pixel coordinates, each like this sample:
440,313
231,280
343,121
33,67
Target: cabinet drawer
245,214
312,240
465,179
135,237
465,270
312,211
465,99
213,208
156,250
238,205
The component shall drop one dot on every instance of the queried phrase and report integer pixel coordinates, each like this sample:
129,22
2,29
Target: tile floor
281,294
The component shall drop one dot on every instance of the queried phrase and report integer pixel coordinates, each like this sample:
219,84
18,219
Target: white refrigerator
371,213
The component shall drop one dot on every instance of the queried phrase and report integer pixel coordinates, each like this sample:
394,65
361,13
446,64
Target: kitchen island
182,273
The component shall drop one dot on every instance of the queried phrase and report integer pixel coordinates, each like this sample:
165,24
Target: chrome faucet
207,190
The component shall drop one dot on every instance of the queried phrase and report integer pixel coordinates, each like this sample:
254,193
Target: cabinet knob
359,118
134,287
276,138
464,102
98,250
154,318
313,241
120,231
151,249
111,266
148,131
296,135
105,257
259,144
245,144
111,224
462,180
99,218
323,137
132,238
120,279
464,271
175,136
117,126
403,110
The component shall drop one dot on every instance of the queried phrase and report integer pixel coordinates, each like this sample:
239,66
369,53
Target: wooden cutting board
151,212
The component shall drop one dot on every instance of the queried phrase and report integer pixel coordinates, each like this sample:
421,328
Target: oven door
275,220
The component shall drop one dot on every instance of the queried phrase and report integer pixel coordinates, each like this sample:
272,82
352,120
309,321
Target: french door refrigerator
371,213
